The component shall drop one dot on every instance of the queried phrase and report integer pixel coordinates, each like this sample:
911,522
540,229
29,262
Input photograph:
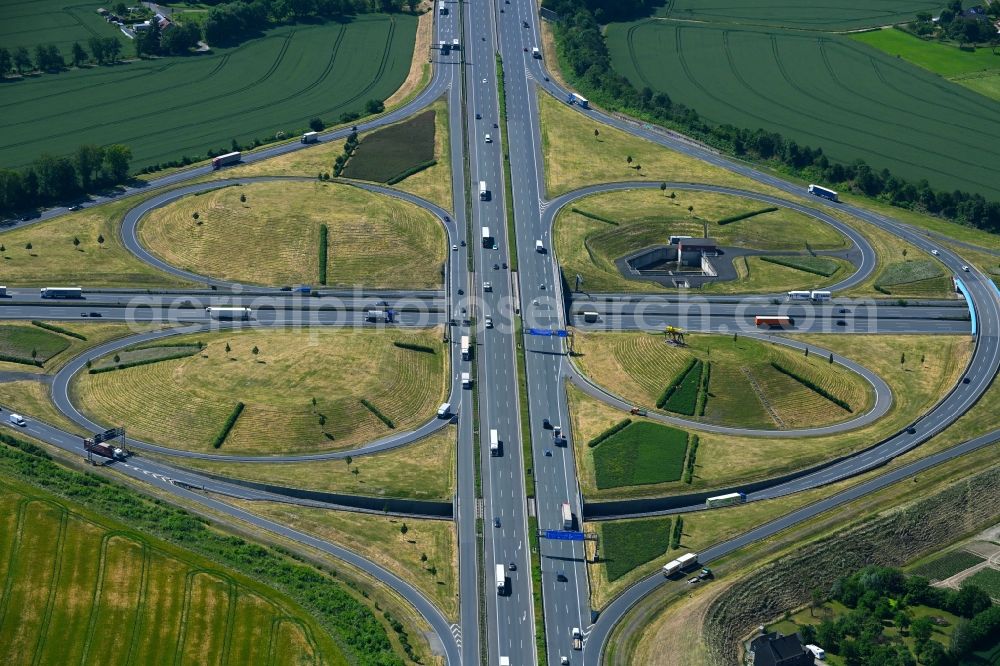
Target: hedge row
145,361
412,347
375,410
230,422
616,428
165,345
706,376
323,241
672,386
594,216
791,263
675,537
811,385
409,172
743,216
58,329
692,452
22,361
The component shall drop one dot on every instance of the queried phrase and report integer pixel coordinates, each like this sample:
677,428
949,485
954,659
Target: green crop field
589,246
170,107
20,341
375,241
947,565
642,453
301,391
636,366
987,579
29,23
821,90
80,591
393,150
627,544
828,15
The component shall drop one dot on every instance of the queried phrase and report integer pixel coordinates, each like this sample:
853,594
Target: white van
17,420
488,139
466,380
539,247
444,410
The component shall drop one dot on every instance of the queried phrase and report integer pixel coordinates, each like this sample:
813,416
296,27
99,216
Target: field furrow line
43,628
95,600
140,607
12,558
185,612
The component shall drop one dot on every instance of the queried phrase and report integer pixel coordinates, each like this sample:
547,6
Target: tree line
587,61
52,179
877,596
953,23
48,58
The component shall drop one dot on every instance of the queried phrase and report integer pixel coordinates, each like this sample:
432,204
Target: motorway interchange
534,296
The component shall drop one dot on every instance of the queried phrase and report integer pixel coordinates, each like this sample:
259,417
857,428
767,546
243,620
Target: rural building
774,649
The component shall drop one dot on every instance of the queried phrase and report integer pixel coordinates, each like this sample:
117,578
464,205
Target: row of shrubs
324,240
412,347
406,173
375,410
143,361
616,428
808,383
22,361
58,329
799,266
228,425
692,452
742,216
706,376
594,216
341,161
675,536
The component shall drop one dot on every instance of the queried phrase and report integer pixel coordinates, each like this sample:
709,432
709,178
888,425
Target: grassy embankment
422,470
745,388
278,224
595,231
727,460
293,399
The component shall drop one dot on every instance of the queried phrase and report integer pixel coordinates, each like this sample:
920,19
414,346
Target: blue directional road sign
563,535
546,332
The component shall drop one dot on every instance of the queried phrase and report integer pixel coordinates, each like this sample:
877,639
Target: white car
935,252
965,268
488,139
454,248
489,321
487,286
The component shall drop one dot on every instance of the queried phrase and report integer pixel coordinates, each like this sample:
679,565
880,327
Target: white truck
798,295
820,295
444,411
229,314
536,53
580,100
826,193
567,516
17,419
310,137
228,158
494,443
539,247
504,661
466,380
61,292
484,194
466,349
501,579
590,316
577,638
683,562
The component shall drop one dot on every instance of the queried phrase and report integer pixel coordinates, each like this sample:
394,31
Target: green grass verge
905,272
24,344
394,150
508,186
640,454
628,544
536,589
815,265
522,400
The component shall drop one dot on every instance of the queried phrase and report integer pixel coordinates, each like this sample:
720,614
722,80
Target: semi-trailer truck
487,238
580,100
466,350
820,295
103,450
567,516
228,158
310,137
725,500
229,314
772,320
501,579
826,193
683,562
381,315
60,292
798,295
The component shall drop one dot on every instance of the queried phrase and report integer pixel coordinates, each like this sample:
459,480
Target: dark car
561,577
512,566
911,430
496,522
546,424
965,380
96,314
